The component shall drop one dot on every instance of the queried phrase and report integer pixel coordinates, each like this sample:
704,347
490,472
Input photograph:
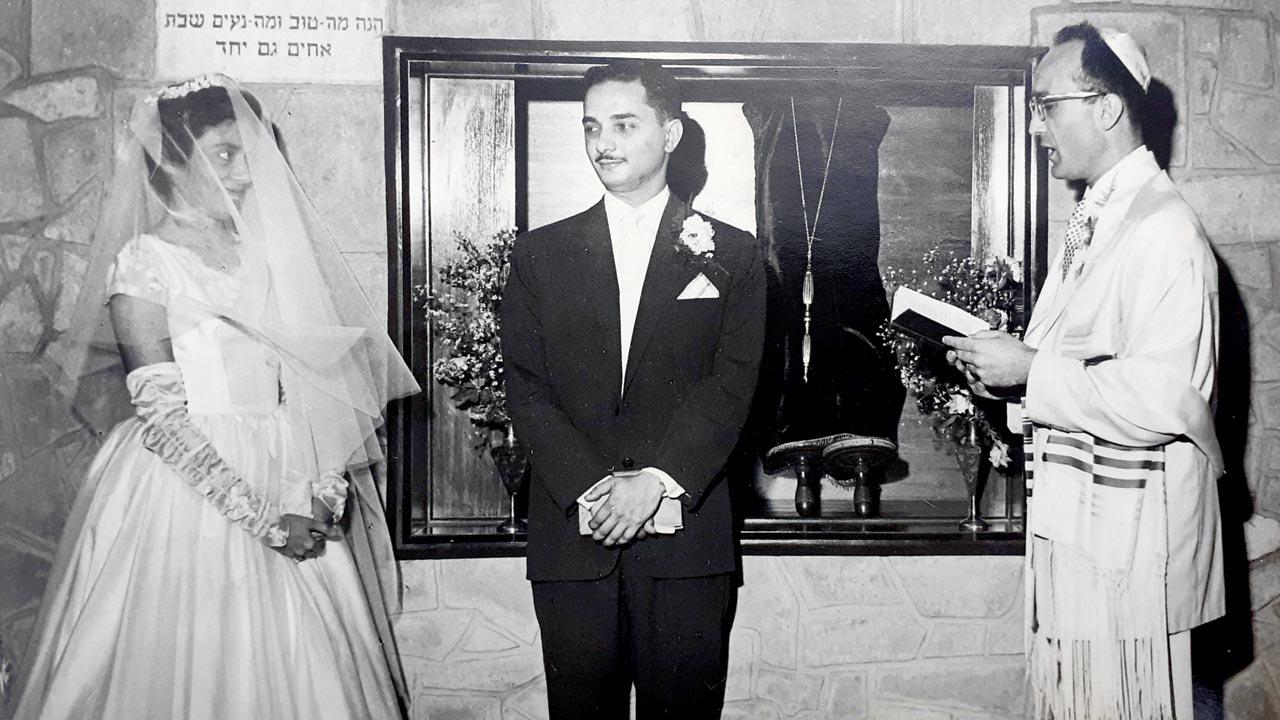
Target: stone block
1235,208
1246,51
488,674
21,323
1249,265
768,604
36,502
1204,34
73,156
433,634
13,248
10,68
529,702
1267,398
1202,79
733,20
827,581
464,18
437,706
1251,694
77,222
669,20
419,590
485,640
1264,347
750,710
74,266
960,587
792,692
1006,635
343,179
997,22
841,636
1160,33
40,414
119,36
994,685
496,588
894,711
1250,120
8,464
846,696
62,99
1264,582
1211,150
828,20
20,181
744,653
1262,534
954,640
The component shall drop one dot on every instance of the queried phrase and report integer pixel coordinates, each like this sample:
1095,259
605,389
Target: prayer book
929,319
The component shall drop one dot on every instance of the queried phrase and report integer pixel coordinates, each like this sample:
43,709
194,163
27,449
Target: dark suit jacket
691,372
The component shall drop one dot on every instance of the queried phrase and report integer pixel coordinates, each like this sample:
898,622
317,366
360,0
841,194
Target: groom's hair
662,90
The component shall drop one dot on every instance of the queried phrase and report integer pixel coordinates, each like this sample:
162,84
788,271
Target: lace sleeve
331,489
159,398
137,272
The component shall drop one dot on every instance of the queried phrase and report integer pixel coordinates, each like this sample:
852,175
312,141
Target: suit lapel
598,286
669,271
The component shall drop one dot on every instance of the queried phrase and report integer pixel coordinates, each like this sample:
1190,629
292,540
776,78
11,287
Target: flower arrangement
465,320
985,287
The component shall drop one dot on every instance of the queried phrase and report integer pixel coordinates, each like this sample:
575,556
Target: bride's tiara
187,87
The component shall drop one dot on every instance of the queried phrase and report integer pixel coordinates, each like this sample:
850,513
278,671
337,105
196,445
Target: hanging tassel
807,296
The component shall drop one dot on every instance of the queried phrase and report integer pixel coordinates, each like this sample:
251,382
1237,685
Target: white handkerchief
699,288
668,519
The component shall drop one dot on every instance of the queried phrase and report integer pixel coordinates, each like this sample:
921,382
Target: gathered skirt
158,607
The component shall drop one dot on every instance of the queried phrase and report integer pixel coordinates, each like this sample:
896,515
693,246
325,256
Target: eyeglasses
1038,104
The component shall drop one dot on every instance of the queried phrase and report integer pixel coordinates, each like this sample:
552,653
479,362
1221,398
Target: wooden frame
540,70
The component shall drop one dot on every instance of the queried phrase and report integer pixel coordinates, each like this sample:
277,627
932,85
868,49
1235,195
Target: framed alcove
921,147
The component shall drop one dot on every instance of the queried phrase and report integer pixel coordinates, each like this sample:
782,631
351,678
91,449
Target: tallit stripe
1109,480
1143,464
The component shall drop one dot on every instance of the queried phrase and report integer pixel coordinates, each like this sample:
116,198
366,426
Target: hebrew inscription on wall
323,41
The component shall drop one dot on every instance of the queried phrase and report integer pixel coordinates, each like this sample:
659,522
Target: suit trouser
670,636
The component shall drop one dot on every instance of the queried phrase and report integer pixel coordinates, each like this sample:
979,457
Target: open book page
930,319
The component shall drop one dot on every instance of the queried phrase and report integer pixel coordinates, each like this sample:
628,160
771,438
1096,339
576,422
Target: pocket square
699,288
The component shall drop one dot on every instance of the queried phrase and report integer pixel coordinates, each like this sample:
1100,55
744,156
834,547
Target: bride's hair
183,119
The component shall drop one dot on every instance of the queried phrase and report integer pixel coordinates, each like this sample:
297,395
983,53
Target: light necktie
1079,232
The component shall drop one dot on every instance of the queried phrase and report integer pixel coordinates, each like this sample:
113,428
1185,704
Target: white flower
999,453
696,234
959,404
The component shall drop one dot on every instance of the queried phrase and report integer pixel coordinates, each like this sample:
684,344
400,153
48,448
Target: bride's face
217,163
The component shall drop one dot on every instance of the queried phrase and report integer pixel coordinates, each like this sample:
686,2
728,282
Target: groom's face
627,140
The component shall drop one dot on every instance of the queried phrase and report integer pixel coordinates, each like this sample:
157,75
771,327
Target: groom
632,335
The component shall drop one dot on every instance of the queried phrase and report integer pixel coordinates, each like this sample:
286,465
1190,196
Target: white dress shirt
632,231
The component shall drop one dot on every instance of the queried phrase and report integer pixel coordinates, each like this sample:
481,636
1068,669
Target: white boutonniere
697,237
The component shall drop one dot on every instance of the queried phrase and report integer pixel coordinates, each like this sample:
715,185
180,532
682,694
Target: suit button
628,463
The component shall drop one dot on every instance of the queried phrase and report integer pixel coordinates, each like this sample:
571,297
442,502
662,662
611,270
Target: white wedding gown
159,607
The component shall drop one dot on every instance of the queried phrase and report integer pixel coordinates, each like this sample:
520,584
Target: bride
204,572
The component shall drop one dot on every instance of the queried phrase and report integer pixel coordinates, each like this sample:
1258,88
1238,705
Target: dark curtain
852,384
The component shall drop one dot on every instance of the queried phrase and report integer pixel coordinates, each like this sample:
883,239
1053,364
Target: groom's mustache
602,157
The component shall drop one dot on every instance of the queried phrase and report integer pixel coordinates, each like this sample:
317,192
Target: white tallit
1123,455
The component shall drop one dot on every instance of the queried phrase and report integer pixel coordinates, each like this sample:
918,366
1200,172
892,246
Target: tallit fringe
1115,664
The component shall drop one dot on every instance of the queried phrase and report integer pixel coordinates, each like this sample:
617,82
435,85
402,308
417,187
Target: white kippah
1130,53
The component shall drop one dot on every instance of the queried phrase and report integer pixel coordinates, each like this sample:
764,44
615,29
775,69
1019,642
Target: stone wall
930,638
